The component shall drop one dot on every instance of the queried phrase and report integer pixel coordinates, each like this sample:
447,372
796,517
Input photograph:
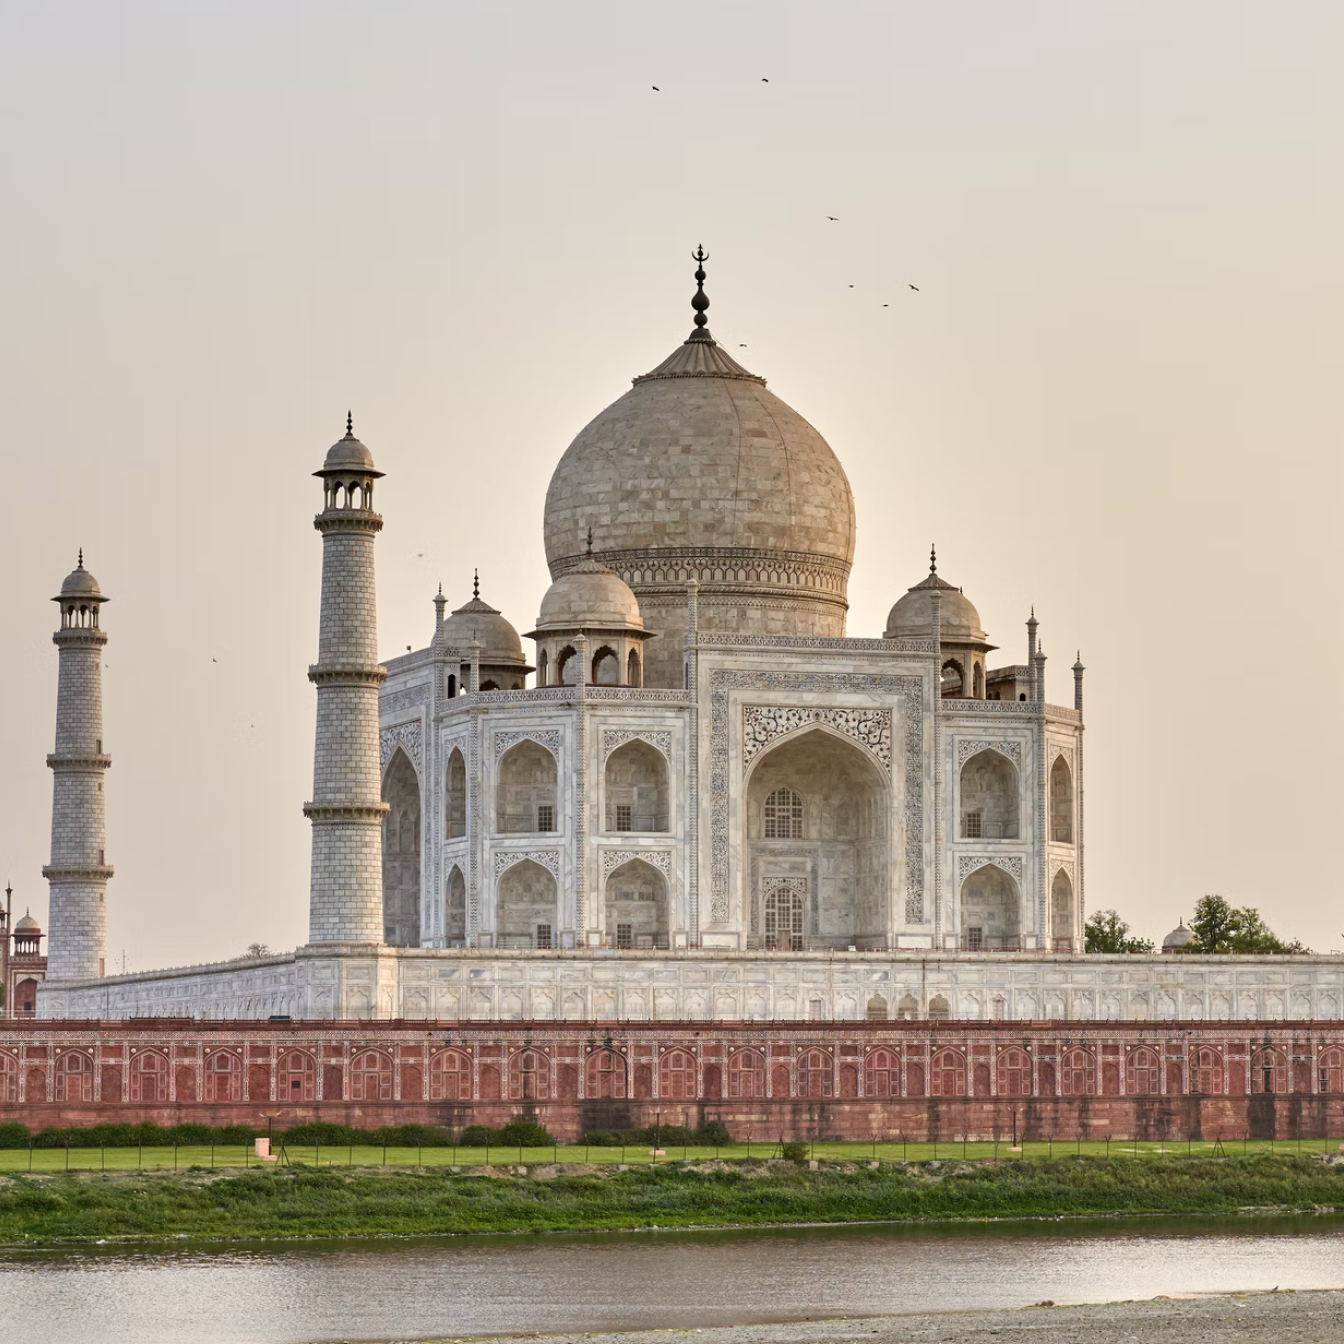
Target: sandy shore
1259,1318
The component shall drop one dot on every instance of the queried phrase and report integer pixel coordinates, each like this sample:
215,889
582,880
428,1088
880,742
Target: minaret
78,871
346,900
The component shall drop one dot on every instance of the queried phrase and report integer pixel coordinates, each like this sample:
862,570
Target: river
292,1293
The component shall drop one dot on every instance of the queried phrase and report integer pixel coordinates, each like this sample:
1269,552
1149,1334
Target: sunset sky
1115,393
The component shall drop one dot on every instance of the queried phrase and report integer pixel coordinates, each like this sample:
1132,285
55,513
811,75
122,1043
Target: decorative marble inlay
968,863
972,746
1058,865
762,724
1057,750
409,737
612,859
548,858
618,737
410,697
544,737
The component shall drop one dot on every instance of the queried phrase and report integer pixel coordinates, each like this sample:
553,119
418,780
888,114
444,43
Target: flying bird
835,219
741,345
915,288
764,80
886,305
656,89
851,286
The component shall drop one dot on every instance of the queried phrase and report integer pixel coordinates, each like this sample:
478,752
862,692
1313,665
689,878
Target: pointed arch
636,788
74,1077
450,1076
527,901
637,907
401,852
455,908
1061,912
990,788
606,667
1061,802
990,910
1014,1072
634,674
882,1073
676,1076
455,796
525,792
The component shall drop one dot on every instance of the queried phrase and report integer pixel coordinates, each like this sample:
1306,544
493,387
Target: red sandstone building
852,1080
22,964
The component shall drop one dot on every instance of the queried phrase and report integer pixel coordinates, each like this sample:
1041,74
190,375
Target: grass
368,1155
304,1201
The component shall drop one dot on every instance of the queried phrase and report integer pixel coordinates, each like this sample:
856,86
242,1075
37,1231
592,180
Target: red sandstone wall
844,1080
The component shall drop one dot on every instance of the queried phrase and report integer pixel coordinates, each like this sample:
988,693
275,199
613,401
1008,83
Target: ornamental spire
475,583
700,300
349,424
933,559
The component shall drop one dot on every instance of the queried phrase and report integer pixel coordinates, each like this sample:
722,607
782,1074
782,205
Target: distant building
22,964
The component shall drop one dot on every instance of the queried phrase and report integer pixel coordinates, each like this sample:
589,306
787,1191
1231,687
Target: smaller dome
80,583
348,454
27,925
589,596
912,616
1179,937
480,623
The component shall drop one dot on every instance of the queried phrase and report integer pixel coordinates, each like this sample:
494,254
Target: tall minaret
78,871
346,902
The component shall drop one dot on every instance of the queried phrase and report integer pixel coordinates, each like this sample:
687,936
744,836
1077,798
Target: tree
257,950
1105,931
1219,927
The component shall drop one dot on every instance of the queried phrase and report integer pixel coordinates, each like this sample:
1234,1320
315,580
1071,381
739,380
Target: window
624,935
783,816
543,935
545,817
371,1076
784,920
625,820
816,1010
975,939
974,825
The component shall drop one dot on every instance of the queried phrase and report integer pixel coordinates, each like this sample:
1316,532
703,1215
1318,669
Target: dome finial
475,583
349,424
933,559
700,300
81,559
590,543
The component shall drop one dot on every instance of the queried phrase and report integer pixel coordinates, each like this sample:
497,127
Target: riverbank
334,1202
1302,1317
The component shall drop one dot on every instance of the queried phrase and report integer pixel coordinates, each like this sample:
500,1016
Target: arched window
979,681
784,919
528,906
947,1074
74,1077
529,1076
455,901
1061,913
525,794
939,1009
783,818
989,789
606,667
1143,1072
401,853
816,1074
1061,802
1331,1070
25,995
149,1077
1206,1071
605,1075
450,1076
908,1008
746,1075
489,685
877,1009
636,788
953,679
1269,1071
1014,1069
223,1076
9,1080
676,1076
882,1074
455,796
1077,1073
567,667
295,1077
371,1076
989,912
637,913
543,669
633,673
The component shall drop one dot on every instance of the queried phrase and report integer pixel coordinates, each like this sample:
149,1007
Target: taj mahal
697,796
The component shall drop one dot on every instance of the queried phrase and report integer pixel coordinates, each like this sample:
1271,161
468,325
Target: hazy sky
1115,395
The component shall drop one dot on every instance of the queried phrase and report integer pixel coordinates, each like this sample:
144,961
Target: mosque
698,797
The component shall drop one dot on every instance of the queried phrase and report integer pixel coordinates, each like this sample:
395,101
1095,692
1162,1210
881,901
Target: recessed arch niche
401,853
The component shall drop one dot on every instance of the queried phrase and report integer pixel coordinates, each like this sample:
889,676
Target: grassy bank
301,1201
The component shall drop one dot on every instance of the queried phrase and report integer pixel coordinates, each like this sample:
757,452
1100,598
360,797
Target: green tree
1220,927
1105,931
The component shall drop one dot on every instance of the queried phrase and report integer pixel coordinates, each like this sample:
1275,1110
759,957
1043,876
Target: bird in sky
214,660
915,288
886,305
764,80
851,286
656,89
835,219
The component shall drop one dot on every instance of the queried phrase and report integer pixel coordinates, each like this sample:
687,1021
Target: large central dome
700,470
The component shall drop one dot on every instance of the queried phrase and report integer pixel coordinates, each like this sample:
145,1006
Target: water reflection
284,1293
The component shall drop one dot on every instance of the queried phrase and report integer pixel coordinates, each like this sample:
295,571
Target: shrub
190,1134
13,1134
518,1133
235,1134
794,1152
322,1133
713,1132
411,1136
602,1138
